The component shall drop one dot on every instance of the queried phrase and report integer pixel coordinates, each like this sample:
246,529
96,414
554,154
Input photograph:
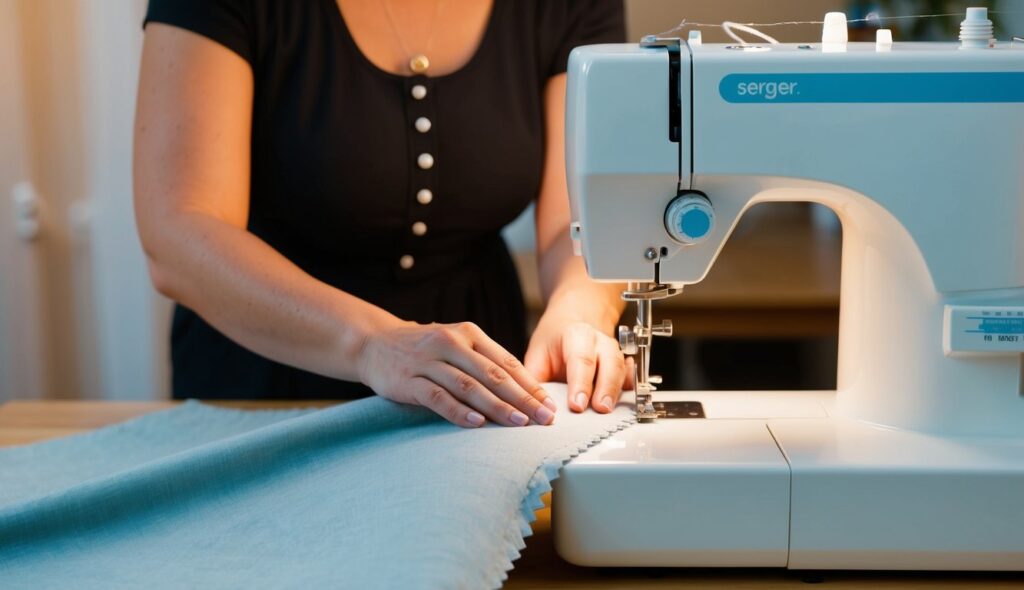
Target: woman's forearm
573,339
192,169
569,291
257,297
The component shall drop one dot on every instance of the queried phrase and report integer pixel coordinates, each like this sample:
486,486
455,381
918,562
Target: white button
425,161
406,262
419,91
423,124
883,40
419,228
424,196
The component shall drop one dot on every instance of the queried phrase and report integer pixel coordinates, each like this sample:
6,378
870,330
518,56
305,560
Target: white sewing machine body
917,460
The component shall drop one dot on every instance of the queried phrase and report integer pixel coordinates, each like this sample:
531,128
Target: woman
320,185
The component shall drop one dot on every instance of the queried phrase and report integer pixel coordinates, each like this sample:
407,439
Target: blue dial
695,223
690,218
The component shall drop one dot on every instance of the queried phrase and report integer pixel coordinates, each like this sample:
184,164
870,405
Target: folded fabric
368,494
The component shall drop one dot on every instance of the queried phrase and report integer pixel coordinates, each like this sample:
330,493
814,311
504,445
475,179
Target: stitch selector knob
689,218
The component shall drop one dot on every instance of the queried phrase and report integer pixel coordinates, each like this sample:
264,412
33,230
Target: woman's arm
191,168
192,135
572,339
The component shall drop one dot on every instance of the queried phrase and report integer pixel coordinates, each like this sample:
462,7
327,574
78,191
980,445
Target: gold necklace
418,63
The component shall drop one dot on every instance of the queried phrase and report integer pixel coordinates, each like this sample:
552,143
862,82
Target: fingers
538,362
611,374
595,369
578,349
481,374
471,392
629,383
494,366
435,397
499,383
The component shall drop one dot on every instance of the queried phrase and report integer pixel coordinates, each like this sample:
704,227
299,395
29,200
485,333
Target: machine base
770,479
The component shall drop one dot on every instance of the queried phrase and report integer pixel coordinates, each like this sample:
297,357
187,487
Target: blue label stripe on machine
889,87
998,325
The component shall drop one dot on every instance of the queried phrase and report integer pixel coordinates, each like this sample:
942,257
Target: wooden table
539,567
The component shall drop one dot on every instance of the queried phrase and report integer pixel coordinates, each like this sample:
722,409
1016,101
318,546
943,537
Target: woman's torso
339,181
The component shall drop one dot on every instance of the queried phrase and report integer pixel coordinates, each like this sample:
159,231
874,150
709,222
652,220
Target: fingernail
475,419
607,403
519,418
581,400
550,403
544,415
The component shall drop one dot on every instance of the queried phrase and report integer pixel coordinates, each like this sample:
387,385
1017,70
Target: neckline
469,65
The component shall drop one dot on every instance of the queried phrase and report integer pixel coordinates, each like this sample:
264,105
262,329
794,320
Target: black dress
342,183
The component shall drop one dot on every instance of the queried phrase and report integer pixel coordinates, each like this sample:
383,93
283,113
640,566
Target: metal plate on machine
679,409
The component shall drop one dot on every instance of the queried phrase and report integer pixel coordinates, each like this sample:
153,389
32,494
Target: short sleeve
227,22
581,22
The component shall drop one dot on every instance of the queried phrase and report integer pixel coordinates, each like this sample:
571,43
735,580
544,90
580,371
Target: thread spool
976,30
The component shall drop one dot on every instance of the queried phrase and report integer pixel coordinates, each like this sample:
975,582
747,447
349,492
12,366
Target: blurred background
79,319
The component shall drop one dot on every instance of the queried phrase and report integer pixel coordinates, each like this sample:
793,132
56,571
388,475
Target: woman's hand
587,359
571,342
456,371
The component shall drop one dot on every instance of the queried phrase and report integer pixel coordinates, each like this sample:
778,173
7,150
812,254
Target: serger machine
917,460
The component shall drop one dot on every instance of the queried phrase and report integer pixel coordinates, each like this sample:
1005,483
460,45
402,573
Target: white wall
130,319
21,350
78,317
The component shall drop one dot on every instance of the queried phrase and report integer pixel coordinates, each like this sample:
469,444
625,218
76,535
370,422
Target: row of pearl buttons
425,162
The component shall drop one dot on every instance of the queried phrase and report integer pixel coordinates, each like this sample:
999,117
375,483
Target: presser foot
645,410
636,342
646,416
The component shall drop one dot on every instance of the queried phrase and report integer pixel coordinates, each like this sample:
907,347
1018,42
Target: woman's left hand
585,358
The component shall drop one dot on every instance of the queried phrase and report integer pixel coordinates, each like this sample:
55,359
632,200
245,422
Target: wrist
356,329
597,304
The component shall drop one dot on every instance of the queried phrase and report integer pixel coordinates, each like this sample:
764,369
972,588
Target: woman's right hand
455,370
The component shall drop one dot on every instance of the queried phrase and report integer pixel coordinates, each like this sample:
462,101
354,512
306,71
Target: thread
728,27
870,18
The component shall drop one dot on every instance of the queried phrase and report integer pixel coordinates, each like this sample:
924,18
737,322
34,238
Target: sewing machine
916,461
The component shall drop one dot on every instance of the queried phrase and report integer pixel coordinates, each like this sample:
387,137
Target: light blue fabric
368,494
